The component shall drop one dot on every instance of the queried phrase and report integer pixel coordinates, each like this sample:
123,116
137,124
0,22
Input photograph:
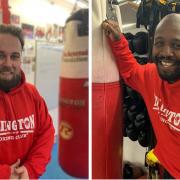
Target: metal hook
111,4
110,10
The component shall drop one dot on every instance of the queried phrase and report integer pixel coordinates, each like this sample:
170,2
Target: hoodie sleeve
5,171
40,153
132,72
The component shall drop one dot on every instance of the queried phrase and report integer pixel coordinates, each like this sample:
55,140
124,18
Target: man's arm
132,72
40,152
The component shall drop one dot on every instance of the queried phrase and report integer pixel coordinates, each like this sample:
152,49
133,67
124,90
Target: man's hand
14,175
112,29
22,172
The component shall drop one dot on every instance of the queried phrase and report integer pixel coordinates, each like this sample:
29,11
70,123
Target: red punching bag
107,124
73,97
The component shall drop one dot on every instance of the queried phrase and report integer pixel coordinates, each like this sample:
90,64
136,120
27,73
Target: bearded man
26,128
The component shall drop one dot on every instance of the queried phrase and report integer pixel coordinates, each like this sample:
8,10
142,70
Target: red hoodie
162,100
26,130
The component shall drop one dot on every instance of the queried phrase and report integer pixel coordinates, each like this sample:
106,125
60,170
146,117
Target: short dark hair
14,31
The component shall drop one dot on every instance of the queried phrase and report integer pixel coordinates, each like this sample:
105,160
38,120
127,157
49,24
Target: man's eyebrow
18,53
158,38
11,53
176,39
161,38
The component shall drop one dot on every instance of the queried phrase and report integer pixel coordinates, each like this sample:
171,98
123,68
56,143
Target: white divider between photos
48,57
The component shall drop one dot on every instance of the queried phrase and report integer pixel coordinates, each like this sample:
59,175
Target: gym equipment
107,131
132,171
129,36
107,120
153,164
140,43
132,113
127,171
73,97
141,60
82,27
144,138
132,132
137,125
135,97
140,121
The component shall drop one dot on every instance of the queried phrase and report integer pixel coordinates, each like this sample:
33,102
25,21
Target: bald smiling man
158,83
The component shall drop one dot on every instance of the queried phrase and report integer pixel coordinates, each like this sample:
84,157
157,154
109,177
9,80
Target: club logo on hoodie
16,129
166,115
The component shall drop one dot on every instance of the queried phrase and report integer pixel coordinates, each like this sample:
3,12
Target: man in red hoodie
158,83
26,128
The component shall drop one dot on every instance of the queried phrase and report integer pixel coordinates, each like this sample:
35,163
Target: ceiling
47,11
69,4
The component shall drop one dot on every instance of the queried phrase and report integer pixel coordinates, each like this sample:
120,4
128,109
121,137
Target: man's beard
170,76
7,85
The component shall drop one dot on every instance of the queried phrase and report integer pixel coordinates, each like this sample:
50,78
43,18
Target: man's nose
167,51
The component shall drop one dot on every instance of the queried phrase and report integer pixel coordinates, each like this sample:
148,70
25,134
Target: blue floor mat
53,170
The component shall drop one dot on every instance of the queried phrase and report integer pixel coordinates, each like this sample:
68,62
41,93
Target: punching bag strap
110,10
82,16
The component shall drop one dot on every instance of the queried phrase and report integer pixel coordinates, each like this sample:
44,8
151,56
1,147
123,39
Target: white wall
132,29
133,151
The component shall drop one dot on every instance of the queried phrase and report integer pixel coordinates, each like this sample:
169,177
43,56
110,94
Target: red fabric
162,101
107,131
5,11
26,129
73,126
5,171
